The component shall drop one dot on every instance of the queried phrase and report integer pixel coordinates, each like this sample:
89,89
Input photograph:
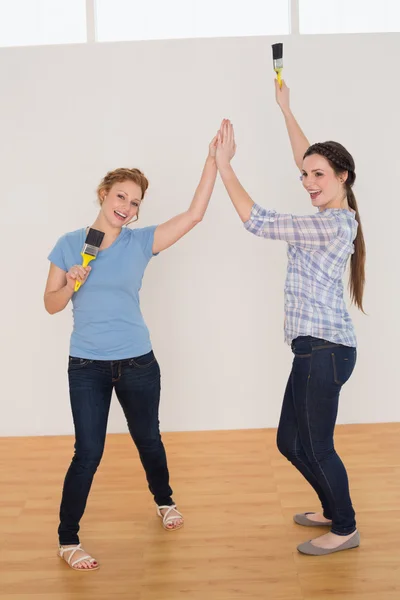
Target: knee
285,445
148,443
322,453
88,458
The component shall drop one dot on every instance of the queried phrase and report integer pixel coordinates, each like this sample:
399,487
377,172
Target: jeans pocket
343,362
144,361
77,363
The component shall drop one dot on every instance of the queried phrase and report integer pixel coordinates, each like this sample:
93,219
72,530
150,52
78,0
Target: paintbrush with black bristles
90,249
277,56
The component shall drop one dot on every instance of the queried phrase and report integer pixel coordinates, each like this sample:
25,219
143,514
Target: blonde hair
118,176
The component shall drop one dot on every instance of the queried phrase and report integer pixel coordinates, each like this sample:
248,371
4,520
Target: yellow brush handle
86,260
279,76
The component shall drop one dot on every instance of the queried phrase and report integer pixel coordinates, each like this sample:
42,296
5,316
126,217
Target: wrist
224,166
69,288
211,160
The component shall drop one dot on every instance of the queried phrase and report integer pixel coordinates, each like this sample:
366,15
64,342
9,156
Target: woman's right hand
282,95
226,145
77,273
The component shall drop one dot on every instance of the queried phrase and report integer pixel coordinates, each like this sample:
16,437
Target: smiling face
326,188
120,205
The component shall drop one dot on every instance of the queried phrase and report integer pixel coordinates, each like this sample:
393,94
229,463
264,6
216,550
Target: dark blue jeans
137,385
309,411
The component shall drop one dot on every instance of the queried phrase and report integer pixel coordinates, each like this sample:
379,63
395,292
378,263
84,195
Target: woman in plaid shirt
317,323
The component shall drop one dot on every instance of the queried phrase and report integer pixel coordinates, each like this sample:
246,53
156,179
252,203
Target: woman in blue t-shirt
110,343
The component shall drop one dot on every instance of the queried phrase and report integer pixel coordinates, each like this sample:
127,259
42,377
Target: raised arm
309,232
171,231
298,140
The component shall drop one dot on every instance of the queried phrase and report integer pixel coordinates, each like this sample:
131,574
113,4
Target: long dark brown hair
341,161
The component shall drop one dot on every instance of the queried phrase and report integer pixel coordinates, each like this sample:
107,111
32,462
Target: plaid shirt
319,247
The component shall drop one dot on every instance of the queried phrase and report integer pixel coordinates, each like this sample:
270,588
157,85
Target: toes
176,523
86,565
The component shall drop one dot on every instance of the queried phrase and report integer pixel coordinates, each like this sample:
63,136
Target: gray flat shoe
302,519
311,550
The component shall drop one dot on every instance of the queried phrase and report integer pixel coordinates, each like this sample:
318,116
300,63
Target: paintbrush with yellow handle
277,55
90,249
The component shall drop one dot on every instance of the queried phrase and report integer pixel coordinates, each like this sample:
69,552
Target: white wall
214,302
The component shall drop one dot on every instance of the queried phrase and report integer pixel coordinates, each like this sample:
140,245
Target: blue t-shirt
108,323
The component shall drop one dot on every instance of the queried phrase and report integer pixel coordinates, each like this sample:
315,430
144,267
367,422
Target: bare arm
171,231
298,140
60,286
240,198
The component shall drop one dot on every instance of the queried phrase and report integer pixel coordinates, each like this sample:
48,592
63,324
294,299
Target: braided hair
341,161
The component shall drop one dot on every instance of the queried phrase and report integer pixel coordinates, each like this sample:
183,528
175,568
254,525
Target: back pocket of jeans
343,366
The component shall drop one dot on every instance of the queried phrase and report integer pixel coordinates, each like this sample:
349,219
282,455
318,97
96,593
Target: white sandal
168,519
74,549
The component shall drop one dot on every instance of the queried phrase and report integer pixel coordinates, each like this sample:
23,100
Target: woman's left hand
226,146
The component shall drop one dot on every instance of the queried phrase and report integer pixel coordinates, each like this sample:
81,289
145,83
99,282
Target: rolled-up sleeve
309,232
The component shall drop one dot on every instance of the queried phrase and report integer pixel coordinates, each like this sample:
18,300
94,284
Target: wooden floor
239,542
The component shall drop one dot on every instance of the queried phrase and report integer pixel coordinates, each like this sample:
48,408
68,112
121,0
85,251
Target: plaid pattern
319,247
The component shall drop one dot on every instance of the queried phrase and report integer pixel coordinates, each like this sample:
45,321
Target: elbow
49,309
245,215
195,219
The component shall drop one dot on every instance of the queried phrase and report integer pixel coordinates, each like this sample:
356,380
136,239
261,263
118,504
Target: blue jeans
309,411
137,385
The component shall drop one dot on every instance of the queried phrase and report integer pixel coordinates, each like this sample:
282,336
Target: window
119,20
35,22
43,22
349,16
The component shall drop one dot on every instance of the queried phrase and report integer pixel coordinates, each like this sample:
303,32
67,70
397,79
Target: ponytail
357,264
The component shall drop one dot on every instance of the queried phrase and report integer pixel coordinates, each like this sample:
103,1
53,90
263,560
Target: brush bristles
94,238
277,51
90,250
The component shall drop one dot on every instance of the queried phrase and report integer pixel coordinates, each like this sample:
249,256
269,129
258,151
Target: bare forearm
298,140
170,232
240,198
204,190
55,302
